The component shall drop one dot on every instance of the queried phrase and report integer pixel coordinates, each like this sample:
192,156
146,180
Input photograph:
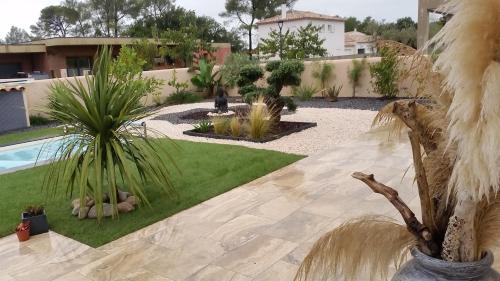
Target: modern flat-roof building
62,57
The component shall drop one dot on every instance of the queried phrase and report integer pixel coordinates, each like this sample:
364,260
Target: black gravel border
302,126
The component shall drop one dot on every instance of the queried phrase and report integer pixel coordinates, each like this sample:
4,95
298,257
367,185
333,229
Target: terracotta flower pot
23,232
425,268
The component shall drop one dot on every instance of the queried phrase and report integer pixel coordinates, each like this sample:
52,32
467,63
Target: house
332,27
358,43
63,57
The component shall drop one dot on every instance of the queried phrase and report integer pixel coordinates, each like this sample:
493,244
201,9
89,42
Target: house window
361,51
330,28
76,66
322,28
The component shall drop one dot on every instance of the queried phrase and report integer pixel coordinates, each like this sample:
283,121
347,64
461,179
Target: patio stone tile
215,273
292,178
126,262
4,276
234,194
297,227
279,208
280,271
239,231
298,254
180,263
255,256
73,276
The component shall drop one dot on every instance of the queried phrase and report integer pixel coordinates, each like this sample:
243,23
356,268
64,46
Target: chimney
283,11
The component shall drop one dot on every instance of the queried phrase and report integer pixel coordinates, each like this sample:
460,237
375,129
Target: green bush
205,78
203,126
304,92
37,120
323,73
385,74
233,66
355,72
183,98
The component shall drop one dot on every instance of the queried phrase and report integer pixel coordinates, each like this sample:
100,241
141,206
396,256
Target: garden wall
37,91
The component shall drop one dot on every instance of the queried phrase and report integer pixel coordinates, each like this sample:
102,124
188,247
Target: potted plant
455,148
37,219
23,231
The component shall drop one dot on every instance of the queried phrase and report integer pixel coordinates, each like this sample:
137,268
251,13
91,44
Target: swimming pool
28,155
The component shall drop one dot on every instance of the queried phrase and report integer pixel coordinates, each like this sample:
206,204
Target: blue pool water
28,155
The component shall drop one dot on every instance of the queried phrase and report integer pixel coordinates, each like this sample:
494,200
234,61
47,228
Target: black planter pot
38,224
425,268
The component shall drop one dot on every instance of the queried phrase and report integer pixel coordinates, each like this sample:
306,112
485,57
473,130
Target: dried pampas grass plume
368,244
471,49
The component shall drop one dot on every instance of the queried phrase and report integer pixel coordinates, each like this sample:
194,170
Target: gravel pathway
335,126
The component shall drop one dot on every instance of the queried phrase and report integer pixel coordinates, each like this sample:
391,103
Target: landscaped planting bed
279,130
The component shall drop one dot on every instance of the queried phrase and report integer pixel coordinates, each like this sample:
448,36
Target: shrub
235,127
179,86
248,75
385,74
220,125
290,105
258,120
323,73
355,72
203,126
37,120
205,78
233,66
183,98
304,92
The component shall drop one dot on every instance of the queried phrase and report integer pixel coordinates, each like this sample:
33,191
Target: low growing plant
258,120
235,127
334,92
203,126
183,98
220,125
304,92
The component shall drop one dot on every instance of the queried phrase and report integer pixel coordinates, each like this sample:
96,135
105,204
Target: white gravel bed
335,126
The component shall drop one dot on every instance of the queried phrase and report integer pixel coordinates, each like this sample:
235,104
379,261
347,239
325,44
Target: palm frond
367,243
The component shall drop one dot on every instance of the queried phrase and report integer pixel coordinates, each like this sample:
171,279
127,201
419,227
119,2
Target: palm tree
103,147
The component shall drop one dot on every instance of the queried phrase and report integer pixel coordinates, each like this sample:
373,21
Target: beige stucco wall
38,91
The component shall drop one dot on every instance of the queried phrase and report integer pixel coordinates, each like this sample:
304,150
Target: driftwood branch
426,205
407,112
420,231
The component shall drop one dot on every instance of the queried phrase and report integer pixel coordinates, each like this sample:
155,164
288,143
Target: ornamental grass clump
235,127
220,125
455,144
259,122
104,147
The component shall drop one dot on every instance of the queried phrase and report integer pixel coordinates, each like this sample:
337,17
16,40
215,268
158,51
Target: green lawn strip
11,138
207,171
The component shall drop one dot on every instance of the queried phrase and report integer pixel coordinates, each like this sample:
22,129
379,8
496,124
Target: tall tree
156,8
351,23
17,35
55,21
247,12
83,24
109,14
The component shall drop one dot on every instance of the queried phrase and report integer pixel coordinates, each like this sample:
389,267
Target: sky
23,13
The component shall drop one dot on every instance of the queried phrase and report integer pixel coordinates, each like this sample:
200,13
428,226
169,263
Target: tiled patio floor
259,231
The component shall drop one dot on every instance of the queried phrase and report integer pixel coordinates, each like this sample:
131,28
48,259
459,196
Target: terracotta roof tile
357,37
294,15
11,88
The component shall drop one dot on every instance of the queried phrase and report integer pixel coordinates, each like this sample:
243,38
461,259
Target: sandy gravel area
335,126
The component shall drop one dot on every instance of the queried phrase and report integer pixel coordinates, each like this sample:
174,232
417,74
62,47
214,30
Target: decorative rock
75,211
75,203
122,195
107,210
83,213
125,207
132,200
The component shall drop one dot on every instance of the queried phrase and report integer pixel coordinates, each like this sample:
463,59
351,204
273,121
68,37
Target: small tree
323,73
232,68
385,74
180,44
355,72
17,35
206,78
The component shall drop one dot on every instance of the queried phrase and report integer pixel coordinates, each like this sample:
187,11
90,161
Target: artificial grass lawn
16,137
207,170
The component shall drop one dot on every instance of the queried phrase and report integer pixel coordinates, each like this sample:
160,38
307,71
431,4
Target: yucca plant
259,120
304,92
103,145
456,156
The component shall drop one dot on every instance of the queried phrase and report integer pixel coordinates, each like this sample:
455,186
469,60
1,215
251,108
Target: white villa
337,41
358,43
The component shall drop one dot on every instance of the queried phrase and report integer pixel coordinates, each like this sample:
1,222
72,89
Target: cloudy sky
23,13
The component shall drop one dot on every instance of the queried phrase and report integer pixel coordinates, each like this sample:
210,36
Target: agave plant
103,146
456,155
